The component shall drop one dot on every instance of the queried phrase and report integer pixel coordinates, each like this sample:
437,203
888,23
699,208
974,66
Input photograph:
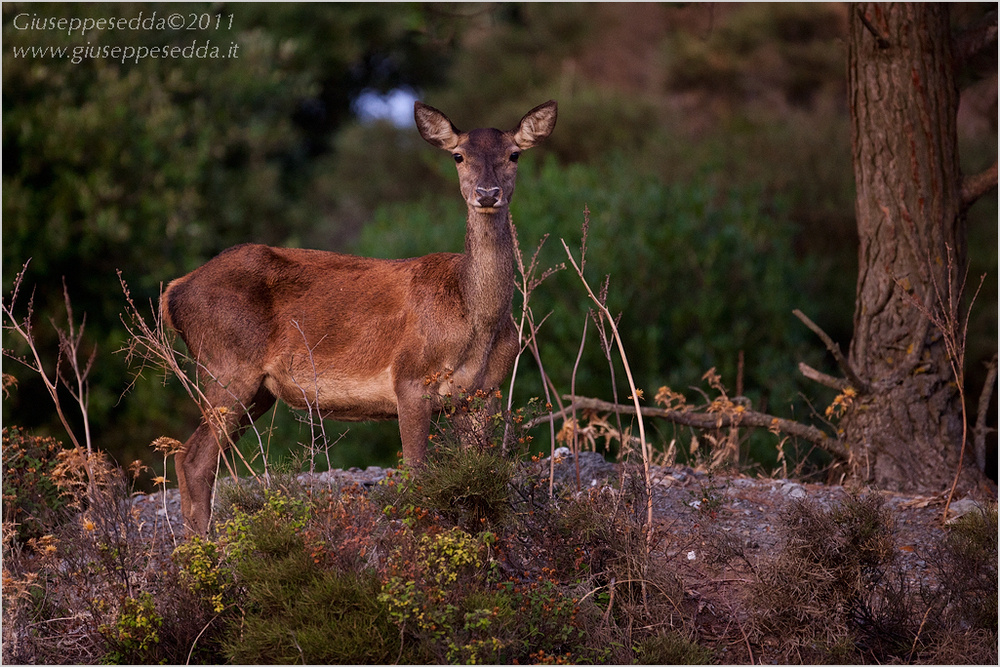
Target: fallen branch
744,418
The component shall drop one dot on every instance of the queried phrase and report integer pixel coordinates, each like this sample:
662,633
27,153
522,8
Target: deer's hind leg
226,418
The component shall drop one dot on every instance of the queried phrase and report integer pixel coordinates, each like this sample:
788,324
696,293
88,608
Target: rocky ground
694,511
685,503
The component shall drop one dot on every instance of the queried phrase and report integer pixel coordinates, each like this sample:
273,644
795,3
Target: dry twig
69,352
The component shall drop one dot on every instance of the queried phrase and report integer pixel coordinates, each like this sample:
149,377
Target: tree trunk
905,427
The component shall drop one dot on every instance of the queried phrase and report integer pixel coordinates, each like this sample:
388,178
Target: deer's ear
536,125
435,127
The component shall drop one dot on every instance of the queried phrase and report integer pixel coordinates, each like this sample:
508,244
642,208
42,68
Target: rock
594,470
960,508
793,490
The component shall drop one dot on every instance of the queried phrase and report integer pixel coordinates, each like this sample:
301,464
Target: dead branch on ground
741,417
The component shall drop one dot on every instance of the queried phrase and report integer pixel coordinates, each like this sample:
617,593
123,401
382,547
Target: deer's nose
487,197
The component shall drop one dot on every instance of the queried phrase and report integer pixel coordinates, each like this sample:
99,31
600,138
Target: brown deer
354,337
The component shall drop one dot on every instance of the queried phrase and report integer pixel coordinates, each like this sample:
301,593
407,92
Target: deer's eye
458,157
514,156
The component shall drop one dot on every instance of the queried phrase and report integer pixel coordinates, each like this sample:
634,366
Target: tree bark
905,429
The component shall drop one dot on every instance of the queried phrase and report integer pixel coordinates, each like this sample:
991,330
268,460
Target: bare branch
975,186
980,430
572,389
69,349
852,377
840,384
529,281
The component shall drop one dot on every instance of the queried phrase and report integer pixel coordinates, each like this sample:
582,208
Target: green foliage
424,597
201,573
294,612
32,498
456,610
471,488
289,608
788,49
671,648
468,474
134,636
270,530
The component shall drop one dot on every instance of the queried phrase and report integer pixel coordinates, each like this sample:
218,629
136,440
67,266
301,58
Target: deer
356,338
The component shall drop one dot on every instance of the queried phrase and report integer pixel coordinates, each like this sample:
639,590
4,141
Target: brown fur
358,338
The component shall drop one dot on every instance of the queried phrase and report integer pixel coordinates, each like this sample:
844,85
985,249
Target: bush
969,569
836,591
134,636
289,608
33,497
294,612
671,648
832,592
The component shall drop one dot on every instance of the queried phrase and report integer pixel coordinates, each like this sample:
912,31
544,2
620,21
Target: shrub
272,530
134,636
467,476
294,612
969,569
835,591
470,488
33,498
428,588
200,571
671,648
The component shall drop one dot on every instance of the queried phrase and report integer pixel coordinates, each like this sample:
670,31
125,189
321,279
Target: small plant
709,498
134,636
201,572
671,648
969,569
467,476
294,612
271,528
290,608
427,593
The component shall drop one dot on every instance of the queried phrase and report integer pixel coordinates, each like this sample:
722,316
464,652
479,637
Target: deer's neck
489,265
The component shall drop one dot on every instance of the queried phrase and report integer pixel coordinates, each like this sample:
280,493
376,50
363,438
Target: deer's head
487,158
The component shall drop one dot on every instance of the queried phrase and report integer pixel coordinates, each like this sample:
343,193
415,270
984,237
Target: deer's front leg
414,409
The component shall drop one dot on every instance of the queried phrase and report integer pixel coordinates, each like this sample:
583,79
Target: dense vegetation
471,561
